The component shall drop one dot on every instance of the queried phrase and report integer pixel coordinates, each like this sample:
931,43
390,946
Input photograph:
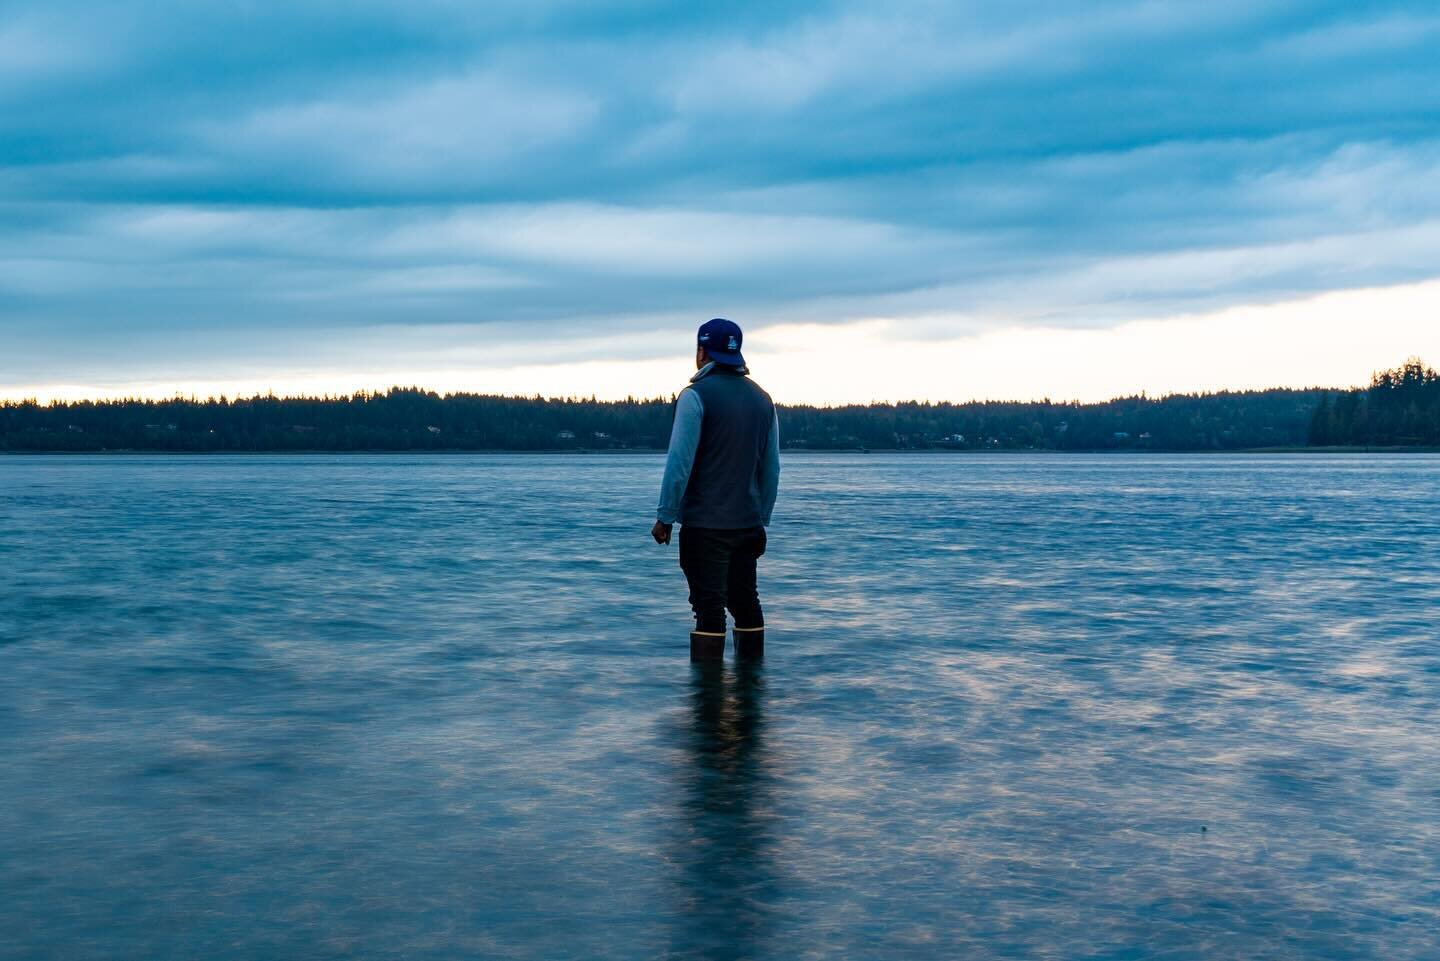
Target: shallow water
438,707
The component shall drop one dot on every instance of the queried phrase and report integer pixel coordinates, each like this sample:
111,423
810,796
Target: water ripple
429,707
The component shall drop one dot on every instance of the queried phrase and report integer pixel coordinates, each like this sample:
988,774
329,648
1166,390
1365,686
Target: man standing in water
721,477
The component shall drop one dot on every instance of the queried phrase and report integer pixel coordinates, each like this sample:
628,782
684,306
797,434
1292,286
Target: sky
895,200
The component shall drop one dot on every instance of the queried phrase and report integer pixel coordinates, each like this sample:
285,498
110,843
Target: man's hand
661,532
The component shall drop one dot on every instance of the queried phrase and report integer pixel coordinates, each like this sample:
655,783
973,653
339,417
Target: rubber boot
749,643
705,646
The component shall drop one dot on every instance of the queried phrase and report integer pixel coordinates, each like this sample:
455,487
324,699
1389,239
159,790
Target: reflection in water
726,879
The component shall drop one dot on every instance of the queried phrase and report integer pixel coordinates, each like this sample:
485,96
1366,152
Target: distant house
601,435
433,430
565,435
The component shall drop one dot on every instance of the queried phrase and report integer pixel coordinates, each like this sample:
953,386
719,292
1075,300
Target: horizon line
54,402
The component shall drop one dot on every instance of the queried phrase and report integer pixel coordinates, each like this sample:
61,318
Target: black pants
720,568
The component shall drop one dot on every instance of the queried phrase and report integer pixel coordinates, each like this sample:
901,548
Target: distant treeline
1401,407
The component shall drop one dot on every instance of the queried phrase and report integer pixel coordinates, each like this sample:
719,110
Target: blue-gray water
440,707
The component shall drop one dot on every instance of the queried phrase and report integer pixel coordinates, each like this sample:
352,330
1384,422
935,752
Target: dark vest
724,488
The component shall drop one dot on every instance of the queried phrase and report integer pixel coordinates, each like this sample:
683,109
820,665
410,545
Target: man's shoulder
723,383
760,391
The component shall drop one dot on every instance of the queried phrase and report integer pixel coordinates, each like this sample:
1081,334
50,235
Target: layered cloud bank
303,196
1317,341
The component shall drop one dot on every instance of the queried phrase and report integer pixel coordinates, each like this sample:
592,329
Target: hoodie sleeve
684,440
770,471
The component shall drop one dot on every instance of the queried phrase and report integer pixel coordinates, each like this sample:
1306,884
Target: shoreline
636,451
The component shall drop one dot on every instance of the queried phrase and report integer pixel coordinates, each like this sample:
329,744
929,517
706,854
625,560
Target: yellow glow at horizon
1334,339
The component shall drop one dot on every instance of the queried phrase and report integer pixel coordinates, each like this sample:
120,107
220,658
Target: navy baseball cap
721,339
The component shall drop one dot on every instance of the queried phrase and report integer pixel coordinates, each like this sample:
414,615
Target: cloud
1313,341
32,50
205,181
470,127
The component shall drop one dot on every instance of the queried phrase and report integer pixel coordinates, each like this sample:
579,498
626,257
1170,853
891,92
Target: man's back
725,484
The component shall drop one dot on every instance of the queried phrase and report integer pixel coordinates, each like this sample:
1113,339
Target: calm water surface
440,707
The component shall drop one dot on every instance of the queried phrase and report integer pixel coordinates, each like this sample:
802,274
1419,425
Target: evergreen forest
1399,408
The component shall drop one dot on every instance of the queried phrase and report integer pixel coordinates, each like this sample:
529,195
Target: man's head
719,340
